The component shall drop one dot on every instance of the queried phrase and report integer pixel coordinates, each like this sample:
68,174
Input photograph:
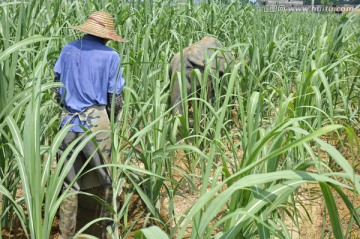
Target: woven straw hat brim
100,24
98,31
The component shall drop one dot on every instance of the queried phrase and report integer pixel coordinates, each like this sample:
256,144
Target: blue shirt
89,70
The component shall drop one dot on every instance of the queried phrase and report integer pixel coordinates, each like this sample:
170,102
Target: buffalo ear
196,56
205,48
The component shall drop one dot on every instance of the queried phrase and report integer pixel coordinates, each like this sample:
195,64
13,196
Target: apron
96,118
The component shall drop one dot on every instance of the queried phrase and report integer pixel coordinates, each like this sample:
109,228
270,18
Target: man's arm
57,91
117,103
115,85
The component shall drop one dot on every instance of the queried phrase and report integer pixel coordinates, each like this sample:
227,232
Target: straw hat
100,24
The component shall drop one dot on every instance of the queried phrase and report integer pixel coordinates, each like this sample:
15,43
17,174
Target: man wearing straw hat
92,78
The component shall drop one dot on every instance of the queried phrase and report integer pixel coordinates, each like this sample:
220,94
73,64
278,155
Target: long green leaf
332,210
150,233
20,45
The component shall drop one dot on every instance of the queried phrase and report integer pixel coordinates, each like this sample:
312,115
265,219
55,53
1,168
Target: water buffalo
195,58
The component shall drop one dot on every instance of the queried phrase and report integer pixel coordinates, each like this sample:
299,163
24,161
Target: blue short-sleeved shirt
89,70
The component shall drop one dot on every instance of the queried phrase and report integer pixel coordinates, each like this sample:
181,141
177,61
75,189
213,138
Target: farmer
92,76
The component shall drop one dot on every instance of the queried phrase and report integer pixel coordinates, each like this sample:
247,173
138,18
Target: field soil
136,214
310,204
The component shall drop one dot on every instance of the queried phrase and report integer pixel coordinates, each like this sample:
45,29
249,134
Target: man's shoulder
78,45
71,45
108,49
101,47
111,52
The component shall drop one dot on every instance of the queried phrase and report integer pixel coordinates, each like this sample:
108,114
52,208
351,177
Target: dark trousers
95,161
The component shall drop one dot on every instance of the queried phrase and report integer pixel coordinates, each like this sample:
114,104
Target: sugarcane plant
291,90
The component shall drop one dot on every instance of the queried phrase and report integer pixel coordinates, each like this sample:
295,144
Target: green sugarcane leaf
151,233
20,45
332,210
348,203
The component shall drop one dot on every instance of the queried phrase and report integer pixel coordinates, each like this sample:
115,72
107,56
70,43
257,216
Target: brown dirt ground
319,226
309,196
136,214
313,203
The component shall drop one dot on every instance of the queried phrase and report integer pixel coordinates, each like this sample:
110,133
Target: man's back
89,70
